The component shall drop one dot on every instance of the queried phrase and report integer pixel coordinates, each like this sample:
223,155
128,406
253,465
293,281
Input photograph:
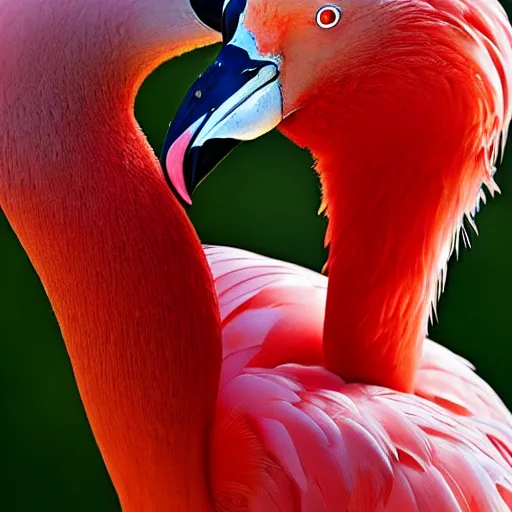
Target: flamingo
430,83
119,260
428,180
395,212
184,420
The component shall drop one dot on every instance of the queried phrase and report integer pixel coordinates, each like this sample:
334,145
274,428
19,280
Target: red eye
328,16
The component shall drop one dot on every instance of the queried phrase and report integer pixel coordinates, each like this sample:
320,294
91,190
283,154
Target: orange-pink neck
397,178
394,206
121,263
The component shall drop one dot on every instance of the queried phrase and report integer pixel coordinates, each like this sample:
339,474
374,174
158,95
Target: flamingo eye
328,16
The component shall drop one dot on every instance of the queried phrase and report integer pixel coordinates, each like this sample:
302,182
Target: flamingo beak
237,98
209,12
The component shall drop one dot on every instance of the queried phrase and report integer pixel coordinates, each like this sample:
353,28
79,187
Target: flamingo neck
395,205
120,262
397,182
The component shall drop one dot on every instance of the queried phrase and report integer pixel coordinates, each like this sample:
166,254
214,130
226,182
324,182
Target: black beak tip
198,162
201,161
209,12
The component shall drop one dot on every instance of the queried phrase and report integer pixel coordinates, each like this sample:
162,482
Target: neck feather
392,225
394,212
400,168
122,265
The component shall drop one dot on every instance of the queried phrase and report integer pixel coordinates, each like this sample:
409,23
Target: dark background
263,198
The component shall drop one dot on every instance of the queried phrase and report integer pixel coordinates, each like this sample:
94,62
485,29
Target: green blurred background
264,197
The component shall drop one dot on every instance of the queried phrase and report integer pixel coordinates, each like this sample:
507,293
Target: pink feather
333,446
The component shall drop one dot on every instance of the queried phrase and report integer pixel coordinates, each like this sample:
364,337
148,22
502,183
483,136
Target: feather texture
320,444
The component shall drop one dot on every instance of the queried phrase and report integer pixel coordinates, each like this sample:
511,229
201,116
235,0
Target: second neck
131,290
394,209
119,260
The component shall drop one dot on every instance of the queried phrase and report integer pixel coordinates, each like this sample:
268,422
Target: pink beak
174,163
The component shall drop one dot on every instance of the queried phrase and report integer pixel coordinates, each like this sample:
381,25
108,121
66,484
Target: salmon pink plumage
405,107
273,313
327,445
211,394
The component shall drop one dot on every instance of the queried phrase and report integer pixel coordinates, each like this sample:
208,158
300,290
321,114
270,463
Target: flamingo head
302,64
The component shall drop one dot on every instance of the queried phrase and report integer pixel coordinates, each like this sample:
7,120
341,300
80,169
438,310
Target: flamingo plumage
273,312
275,58
348,446
129,283
119,260
394,212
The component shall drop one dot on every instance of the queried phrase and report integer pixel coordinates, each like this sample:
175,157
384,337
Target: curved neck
396,184
121,264
394,217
